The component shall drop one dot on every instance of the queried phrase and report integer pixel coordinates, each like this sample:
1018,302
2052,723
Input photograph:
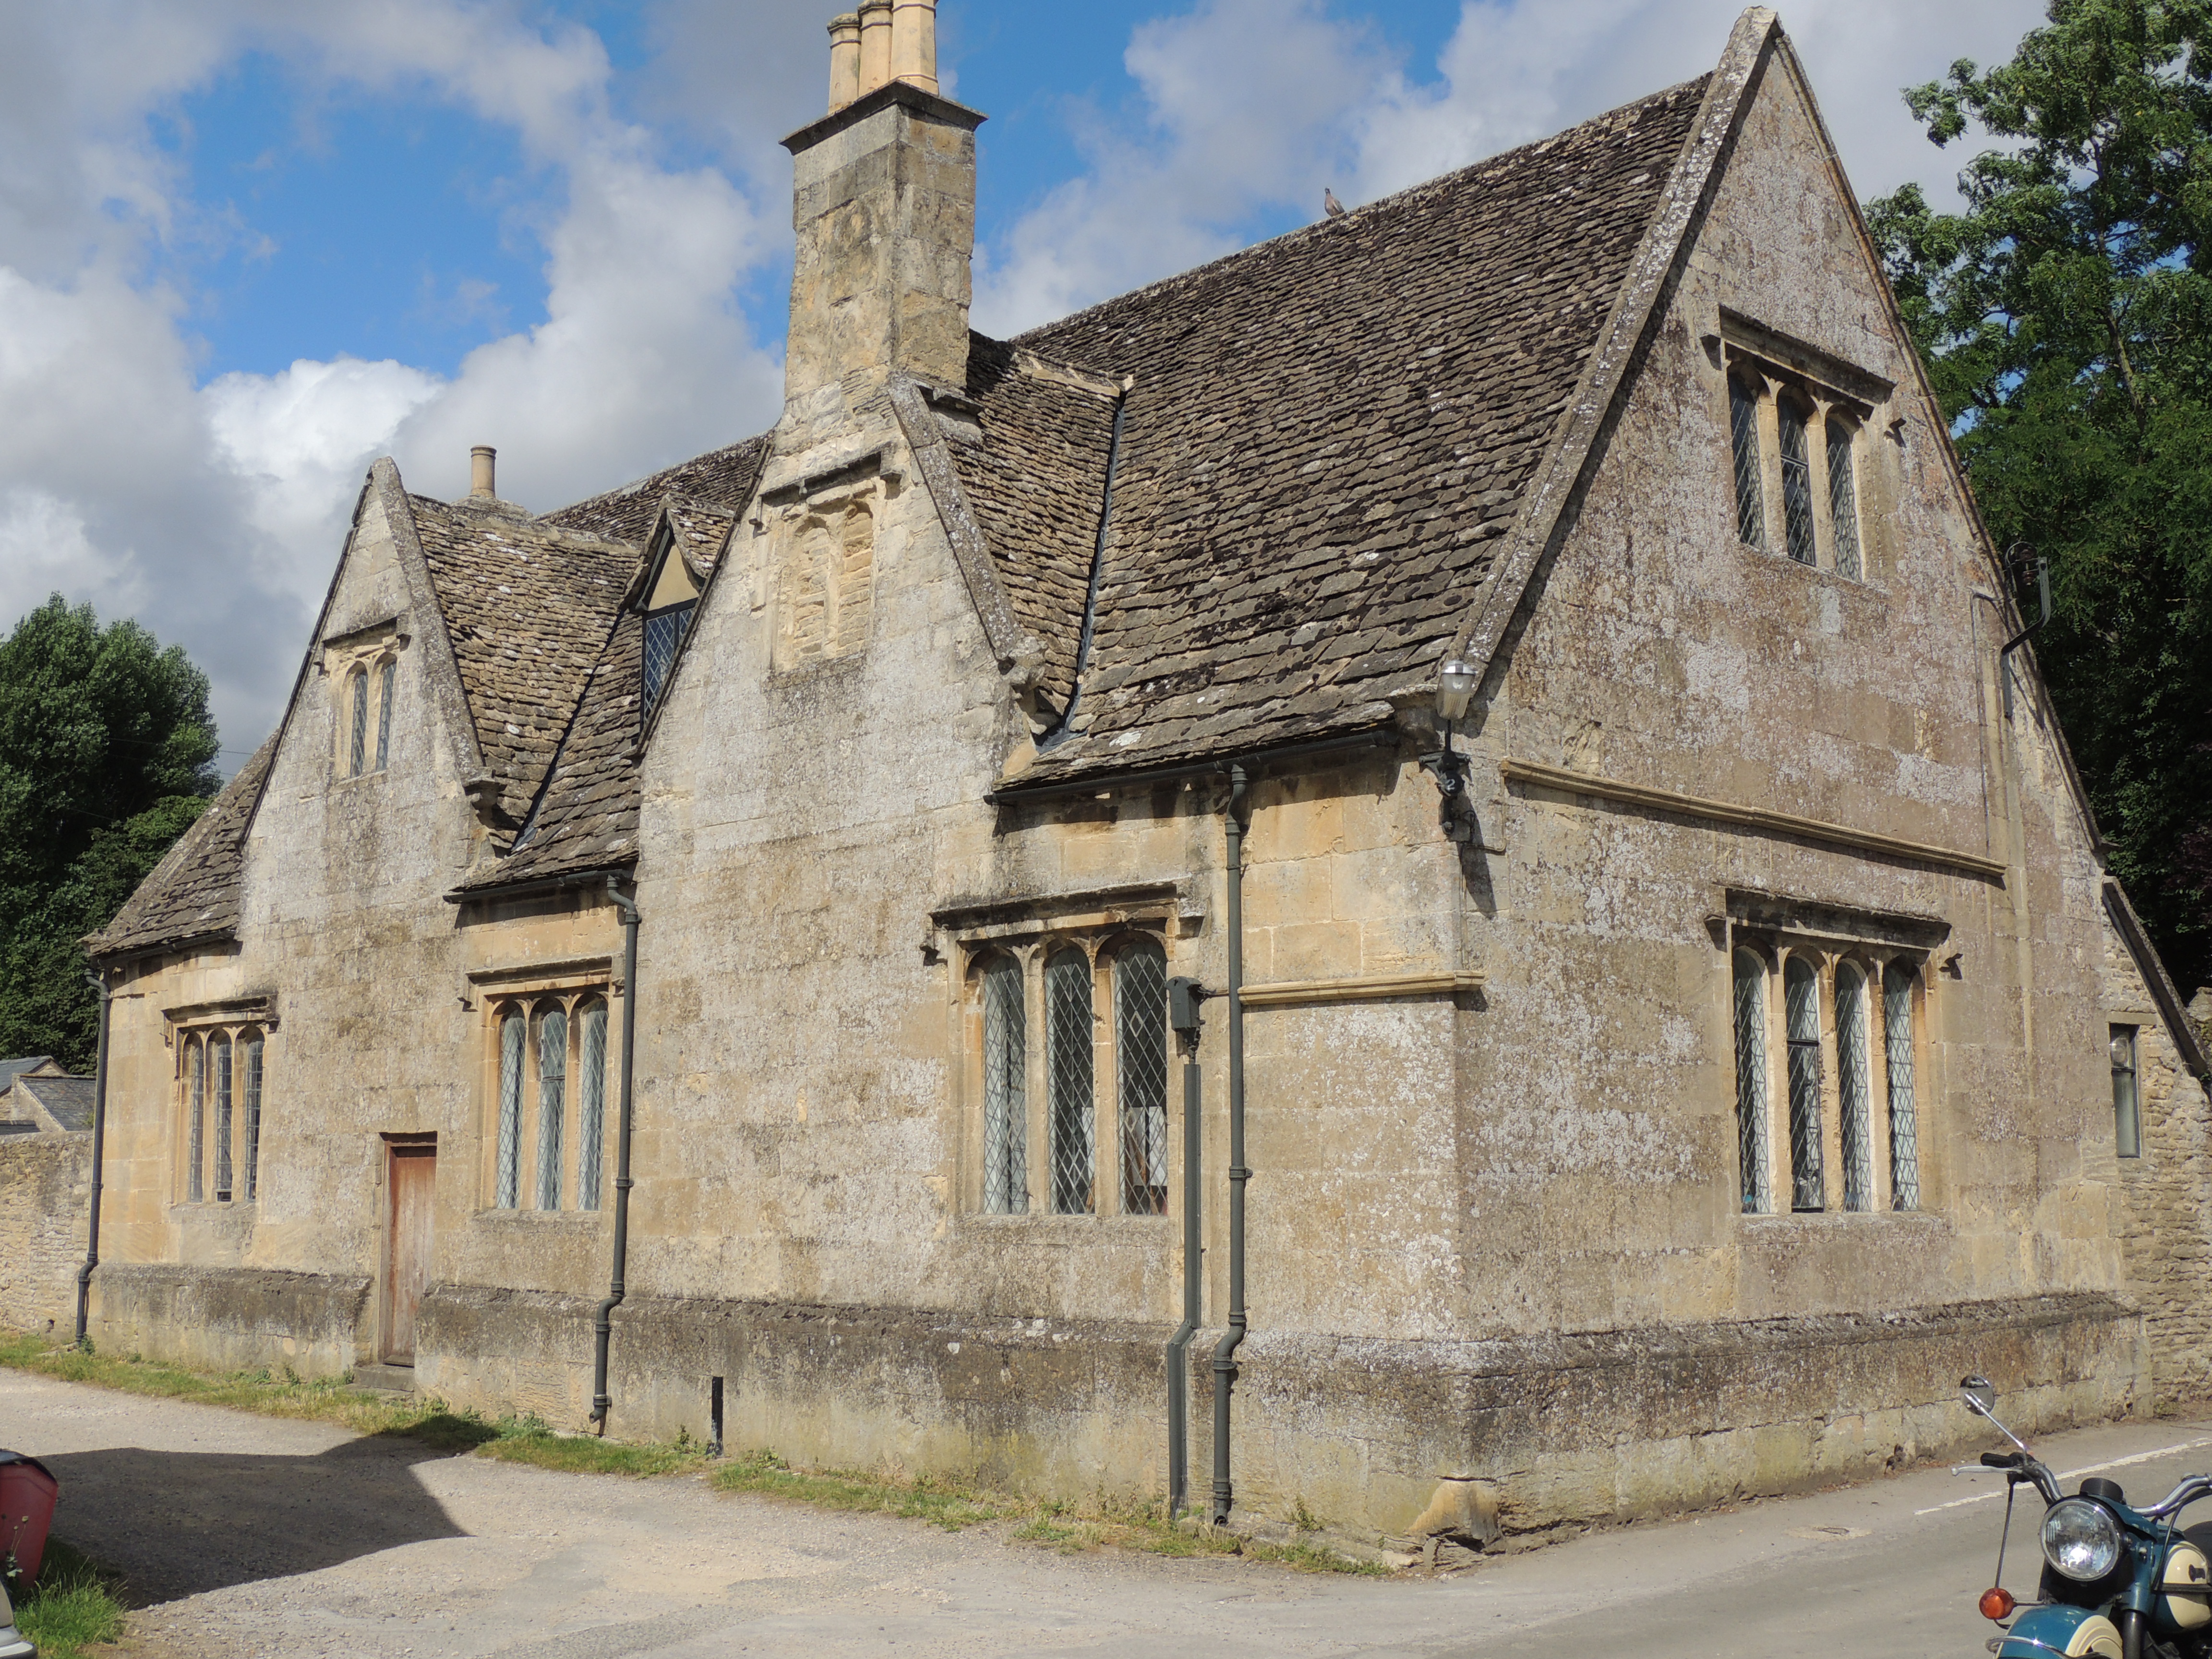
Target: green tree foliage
106,755
2066,317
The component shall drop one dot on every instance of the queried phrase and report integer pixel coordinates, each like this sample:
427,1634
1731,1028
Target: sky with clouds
247,246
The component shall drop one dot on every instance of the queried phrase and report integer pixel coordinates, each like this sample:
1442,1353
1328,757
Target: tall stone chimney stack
885,205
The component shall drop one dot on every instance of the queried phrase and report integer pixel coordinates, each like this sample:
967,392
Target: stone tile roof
528,603
1033,466
12,1069
66,1101
1326,438
193,892
586,817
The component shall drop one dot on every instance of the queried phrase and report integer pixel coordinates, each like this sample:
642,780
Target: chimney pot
875,45
844,60
914,42
484,461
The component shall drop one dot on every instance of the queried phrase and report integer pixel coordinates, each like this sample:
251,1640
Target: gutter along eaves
1544,517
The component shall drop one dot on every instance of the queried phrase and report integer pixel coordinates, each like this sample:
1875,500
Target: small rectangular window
664,633
2127,1095
1743,435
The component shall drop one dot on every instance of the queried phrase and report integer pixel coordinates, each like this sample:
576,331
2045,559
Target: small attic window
670,599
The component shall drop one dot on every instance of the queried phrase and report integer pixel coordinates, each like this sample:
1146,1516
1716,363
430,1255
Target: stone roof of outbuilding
67,1101
1326,436
193,892
12,1069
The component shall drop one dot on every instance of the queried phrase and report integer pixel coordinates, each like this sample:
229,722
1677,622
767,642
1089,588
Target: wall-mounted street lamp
1455,683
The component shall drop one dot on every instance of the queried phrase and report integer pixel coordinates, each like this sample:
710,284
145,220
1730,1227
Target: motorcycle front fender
2061,1633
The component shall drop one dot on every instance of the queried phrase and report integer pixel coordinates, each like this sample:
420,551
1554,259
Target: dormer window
671,595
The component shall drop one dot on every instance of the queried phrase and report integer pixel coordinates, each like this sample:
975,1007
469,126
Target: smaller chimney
875,45
914,42
483,461
844,60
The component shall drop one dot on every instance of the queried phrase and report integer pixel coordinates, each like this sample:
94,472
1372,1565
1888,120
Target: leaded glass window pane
664,632
591,1104
1802,994
2127,1099
1903,1113
1006,1106
1751,1082
1797,480
357,750
1743,433
509,1181
1140,1052
1854,1087
1844,499
387,676
552,1104
1071,1097
195,1134
219,1057
252,1049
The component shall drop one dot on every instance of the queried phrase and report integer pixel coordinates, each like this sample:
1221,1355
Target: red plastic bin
27,1510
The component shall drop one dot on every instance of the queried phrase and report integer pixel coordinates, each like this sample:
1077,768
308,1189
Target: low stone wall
1565,1429
45,1186
222,1319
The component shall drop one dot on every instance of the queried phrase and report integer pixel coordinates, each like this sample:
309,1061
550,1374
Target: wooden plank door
412,1178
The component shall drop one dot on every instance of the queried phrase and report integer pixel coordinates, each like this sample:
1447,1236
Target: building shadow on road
181,1523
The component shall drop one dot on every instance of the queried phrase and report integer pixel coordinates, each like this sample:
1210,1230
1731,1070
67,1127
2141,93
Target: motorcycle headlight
2080,1539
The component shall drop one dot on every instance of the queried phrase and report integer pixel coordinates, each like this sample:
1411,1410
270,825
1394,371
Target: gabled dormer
685,548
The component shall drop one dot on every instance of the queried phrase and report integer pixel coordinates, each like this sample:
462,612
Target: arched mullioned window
1071,1094
513,1034
1800,994
591,1103
387,677
195,1121
1897,986
252,1049
1140,1056
357,713
1843,497
219,1153
552,1103
1750,1000
220,1079
1796,478
1743,436
1854,1086
1005,1107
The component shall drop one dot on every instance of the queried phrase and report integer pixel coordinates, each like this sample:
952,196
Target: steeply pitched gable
193,893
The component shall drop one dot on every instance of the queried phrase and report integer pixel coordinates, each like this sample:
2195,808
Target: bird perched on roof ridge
1328,201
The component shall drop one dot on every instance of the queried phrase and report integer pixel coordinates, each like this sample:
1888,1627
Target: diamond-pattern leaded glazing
1844,499
664,632
1071,1095
195,1086
357,743
1006,1095
252,1049
1797,480
1801,994
219,1061
1750,494
591,1103
511,1037
552,1103
1751,1081
1854,1088
1140,1048
1904,1124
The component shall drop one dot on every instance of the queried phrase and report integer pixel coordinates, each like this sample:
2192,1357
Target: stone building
1660,1081
46,1181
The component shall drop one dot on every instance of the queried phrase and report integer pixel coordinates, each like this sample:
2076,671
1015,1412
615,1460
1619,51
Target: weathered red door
413,1175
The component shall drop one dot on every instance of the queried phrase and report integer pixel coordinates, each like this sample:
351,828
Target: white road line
2075,1474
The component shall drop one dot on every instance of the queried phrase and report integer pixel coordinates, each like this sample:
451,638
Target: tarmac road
261,1539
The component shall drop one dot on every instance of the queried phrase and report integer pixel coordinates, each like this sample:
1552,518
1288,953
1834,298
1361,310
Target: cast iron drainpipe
603,1329
1225,1353
99,1151
1184,998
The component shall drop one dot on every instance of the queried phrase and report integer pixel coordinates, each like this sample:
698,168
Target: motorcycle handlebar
2003,1460
2195,1487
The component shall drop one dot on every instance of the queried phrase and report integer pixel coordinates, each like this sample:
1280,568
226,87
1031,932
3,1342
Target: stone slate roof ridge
1326,436
193,892
723,478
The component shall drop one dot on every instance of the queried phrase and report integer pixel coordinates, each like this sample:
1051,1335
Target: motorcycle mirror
1979,1396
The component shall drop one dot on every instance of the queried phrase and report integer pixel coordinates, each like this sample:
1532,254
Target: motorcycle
2118,1582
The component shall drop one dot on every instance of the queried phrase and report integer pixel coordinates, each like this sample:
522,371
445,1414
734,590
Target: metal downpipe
603,1328
1193,1265
99,1155
1225,1353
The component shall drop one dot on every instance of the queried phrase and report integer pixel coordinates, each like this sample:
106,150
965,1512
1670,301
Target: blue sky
248,246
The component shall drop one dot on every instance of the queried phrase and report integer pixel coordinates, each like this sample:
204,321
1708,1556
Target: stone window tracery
548,1051
1795,455
364,667
220,1084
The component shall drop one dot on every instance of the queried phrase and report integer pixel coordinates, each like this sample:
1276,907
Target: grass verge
74,1607
1103,1523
